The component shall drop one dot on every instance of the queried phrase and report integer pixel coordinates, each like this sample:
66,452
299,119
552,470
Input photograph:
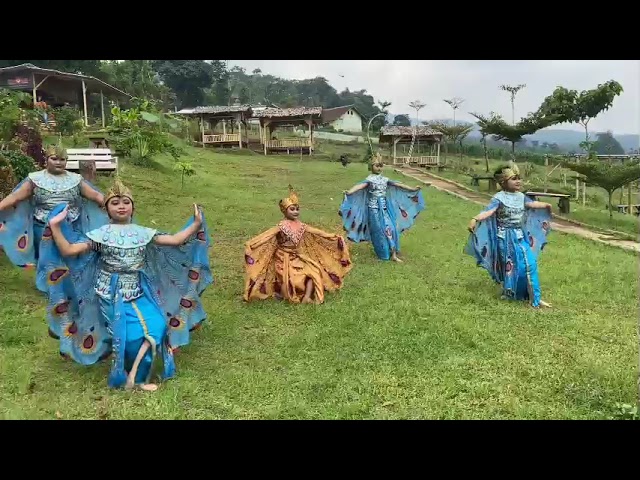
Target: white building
343,119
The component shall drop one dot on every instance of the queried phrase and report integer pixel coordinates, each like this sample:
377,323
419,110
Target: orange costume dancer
294,261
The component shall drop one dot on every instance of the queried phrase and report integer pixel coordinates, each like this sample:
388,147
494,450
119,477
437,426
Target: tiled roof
395,131
289,112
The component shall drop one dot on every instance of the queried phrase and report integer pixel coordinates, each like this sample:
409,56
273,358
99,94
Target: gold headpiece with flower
56,150
507,173
375,158
118,189
292,199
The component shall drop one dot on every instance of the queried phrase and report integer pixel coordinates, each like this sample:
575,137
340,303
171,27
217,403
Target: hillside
565,138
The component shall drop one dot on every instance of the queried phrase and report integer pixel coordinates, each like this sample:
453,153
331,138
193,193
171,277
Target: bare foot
306,300
545,304
148,387
130,383
396,259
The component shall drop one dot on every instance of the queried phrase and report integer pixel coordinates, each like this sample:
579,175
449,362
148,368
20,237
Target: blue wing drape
402,206
173,278
483,243
17,229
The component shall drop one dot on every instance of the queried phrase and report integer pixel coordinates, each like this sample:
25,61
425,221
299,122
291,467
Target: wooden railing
223,138
289,143
423,160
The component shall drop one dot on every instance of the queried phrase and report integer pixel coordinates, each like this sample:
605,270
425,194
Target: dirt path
479,198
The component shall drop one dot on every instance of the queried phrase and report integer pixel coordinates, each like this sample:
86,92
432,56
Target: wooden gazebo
273,118
422,150
233,117
56,87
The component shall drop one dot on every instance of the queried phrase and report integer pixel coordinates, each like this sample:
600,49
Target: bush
21,164
7,178
30,142
68,121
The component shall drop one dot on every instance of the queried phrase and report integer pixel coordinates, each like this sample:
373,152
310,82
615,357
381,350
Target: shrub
68,121
21,164
30,142
7,178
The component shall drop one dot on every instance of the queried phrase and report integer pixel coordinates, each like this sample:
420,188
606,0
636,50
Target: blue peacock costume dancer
379,210
509,238
125,290
24,213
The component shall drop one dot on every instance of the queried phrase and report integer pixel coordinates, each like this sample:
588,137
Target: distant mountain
566,139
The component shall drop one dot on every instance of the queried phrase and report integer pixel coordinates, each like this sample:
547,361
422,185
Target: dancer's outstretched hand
57,220
197,214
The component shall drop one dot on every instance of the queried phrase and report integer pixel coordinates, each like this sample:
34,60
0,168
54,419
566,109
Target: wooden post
84,102
265,130
395,150
102,108
309,123
629,198
239,133
35,98
224,126
577,181
438,154
202,128
546,171
584,193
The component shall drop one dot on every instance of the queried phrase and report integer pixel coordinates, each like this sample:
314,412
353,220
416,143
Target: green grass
425,339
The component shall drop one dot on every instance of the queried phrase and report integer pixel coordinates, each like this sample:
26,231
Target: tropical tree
513,90
484,123
402,121
454,103
607,175
569,106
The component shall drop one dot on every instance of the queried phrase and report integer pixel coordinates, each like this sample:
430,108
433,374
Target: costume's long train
125,290
510,253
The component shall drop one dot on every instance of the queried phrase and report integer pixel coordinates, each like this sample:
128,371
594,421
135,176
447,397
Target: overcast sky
477,81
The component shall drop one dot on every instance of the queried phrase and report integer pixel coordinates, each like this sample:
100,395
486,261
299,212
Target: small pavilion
221,125
423,150
274,118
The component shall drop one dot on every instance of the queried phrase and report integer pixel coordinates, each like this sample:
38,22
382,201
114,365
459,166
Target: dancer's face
293,212
120,209
56,165
377,167
514,184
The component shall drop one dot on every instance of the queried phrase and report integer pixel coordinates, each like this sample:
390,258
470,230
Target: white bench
104,160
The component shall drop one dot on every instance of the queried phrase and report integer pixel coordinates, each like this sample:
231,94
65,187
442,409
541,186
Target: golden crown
118,189
375,158
292,199
56,150
507,173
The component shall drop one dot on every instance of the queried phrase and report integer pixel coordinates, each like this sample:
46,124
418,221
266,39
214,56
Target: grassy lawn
425,339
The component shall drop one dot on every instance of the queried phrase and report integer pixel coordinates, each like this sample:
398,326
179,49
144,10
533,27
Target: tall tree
501,130
187,78
402,121
513,91
569,106
606,144
454,103
484,123
607,175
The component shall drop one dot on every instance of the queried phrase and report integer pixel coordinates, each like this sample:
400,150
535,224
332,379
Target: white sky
477,81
